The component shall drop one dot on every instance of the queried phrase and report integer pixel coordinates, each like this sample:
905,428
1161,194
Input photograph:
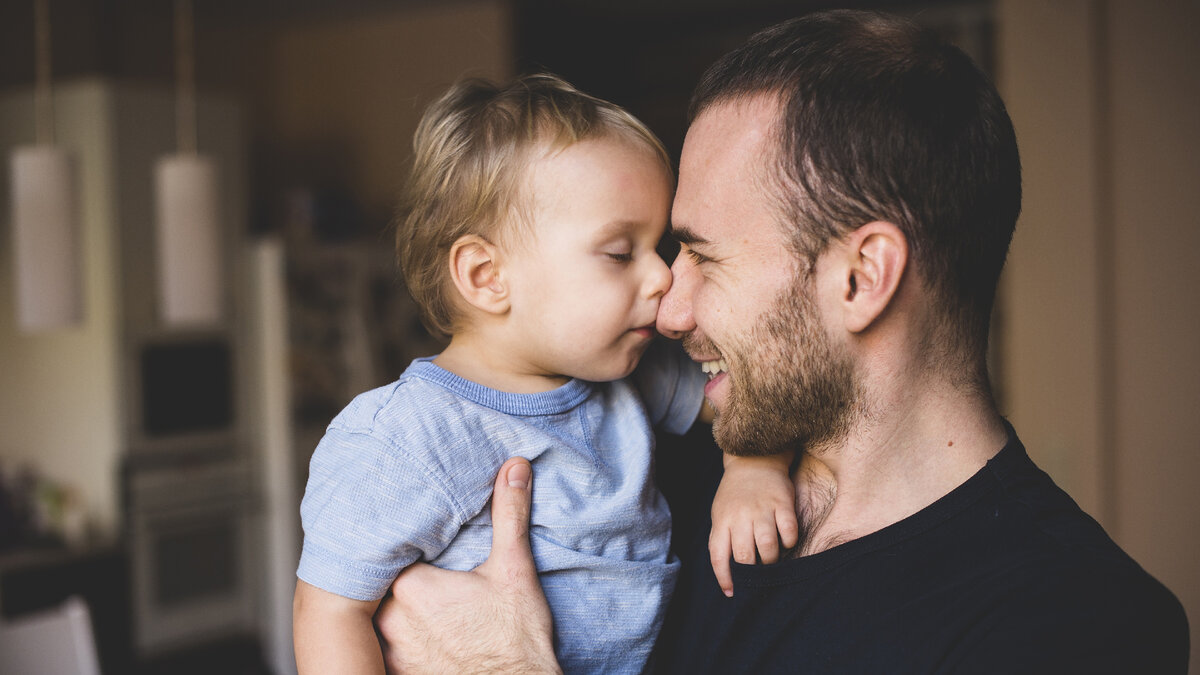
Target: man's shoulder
1098,580
1040,532
1032,518
1081,610
1067,591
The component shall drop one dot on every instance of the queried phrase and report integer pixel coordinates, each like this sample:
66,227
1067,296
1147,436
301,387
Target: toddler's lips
645,331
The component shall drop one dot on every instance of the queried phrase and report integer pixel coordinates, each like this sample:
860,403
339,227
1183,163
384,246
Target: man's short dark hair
880,119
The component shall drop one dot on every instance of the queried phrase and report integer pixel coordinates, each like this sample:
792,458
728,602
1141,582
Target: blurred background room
196,273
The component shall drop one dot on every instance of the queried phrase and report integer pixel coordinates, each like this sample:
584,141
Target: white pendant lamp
44,212
190,279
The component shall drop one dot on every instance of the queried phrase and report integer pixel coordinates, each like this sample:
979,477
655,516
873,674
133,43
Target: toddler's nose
659,279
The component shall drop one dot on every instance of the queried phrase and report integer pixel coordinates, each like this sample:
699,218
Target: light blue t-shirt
405,473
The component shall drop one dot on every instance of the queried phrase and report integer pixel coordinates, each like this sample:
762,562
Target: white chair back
53,642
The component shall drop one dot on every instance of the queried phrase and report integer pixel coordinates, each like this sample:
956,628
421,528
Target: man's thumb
512,497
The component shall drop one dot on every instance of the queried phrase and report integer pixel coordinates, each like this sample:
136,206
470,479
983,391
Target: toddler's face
587,283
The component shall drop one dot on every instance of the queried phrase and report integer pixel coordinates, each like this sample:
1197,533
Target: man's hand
493,619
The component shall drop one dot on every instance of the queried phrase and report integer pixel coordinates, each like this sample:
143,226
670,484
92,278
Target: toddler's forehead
602,155
592,183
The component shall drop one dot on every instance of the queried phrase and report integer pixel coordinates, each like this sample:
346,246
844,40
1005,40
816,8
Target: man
848,189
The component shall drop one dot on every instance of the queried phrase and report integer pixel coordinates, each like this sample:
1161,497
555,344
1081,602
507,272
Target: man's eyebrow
685,236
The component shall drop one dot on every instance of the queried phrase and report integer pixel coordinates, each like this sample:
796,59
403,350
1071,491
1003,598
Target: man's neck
903,455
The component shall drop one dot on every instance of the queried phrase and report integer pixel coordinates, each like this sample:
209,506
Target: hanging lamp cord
43,99
185,79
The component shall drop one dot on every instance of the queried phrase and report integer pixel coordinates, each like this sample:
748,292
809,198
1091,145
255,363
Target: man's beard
792,388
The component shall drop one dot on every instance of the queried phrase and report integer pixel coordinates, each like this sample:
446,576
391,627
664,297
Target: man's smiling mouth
714,368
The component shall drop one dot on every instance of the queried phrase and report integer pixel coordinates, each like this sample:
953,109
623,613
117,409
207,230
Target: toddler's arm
334,634
754,509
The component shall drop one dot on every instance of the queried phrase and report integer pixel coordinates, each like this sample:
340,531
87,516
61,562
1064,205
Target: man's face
744,302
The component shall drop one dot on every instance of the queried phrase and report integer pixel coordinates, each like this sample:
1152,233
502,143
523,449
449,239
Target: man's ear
475,269
877,255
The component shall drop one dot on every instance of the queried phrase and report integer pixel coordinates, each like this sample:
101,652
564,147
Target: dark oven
193,549
189,495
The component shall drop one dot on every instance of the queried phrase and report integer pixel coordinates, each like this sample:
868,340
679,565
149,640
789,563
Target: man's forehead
725,157
749,119
727,140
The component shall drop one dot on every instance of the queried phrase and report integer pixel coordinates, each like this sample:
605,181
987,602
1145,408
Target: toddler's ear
474,268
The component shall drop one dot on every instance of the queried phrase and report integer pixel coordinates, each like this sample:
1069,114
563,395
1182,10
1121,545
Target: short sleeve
370,510
671,385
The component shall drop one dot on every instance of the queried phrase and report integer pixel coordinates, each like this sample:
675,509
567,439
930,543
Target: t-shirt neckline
552,402
990,477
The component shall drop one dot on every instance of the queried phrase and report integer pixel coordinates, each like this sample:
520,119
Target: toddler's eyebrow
617,228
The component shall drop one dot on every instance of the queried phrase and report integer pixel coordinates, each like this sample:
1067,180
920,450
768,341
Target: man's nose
675,310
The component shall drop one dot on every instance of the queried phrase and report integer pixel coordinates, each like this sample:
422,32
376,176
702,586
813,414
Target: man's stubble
793,387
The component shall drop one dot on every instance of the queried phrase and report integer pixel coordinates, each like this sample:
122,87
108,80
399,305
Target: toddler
528,237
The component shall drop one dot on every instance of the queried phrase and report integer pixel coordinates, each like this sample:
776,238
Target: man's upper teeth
714,367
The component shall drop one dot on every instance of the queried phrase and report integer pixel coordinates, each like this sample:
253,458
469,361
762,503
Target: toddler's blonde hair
471,150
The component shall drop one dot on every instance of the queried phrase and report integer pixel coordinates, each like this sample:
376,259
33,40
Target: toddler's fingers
789,527
718,554
767,540
742,541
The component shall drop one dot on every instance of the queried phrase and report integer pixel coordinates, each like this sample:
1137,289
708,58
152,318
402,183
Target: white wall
1101,347
59,408
1154,60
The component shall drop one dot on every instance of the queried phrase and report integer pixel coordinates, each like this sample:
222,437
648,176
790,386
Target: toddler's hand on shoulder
753,513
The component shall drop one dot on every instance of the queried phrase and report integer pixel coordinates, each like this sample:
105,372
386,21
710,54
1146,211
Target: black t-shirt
1003,575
